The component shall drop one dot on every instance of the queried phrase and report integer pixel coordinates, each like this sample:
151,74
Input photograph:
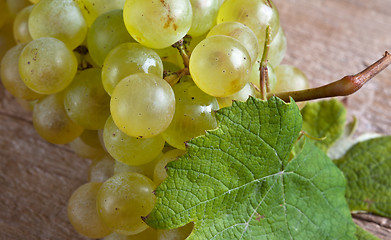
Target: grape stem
180,45
343,87
176,76
264,76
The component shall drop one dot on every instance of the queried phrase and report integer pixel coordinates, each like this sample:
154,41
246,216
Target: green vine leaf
238,181
324,120
367,168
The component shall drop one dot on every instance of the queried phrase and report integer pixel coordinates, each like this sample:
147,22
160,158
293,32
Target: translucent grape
10,76
101,169
52,122
148,234
145,169
86,101
160,173
61,19
21,28
47,66
176,234
87,145
123,199
204,16
91,9
277,48
157,24
107,32
240,32
194,114
82,212
242,95
15,6
130,150
255,14
220,65
142,105
127,59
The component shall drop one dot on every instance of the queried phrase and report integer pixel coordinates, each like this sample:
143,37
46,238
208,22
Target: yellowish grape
148,234
87,145
123,199
157,24
220,65
101,169
277,48
176,234
204,16
21,28
91,9
242,95
15,6
142,105
82,212
160,173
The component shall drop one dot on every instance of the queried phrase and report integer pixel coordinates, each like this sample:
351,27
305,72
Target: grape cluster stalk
126,83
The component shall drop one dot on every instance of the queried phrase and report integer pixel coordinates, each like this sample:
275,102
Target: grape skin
21,29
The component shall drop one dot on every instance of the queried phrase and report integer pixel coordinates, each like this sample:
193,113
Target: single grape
123,199
47,66
255,14
240,32
220,65
142,105
194,114
127,59
160,173
82,212
61,19
52,122
277,48
86,101
204,16
180,233
145,169
101,169
91,9
10,76
130,150
157,24
148,234
242,95
87,145
21,27
107,32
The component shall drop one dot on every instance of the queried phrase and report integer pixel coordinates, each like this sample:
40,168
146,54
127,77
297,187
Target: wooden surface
327,39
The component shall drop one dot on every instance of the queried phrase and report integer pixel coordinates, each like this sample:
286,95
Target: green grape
101,169
157,24
61,19
82,212
145,169
204,16
256,75
148,234
52,122
130,150
123,199
10,76
290,78
86,101
159,173
142,105
107,32
127,59
255,14
220,65
15,6
172,55
176,234
34,1
47,66
87,145
91,9
26,104
21,27
277,48
242,95
194,114
6,38
240,32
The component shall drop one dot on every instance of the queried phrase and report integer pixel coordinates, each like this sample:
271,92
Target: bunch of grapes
127,83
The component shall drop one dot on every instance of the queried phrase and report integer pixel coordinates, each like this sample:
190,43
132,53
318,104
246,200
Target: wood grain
326,39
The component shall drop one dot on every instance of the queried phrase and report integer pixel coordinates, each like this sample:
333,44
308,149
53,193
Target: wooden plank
326,39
